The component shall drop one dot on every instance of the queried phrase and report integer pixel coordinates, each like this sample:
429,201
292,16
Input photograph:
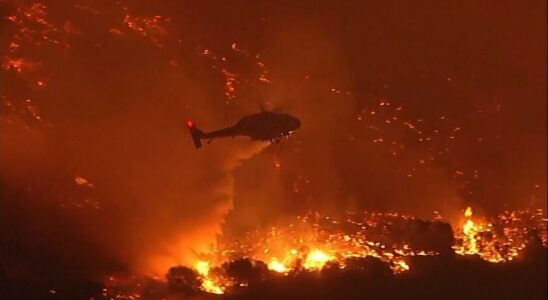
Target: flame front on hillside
315,241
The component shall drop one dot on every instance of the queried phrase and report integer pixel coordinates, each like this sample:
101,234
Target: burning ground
374,248
366,255
411,114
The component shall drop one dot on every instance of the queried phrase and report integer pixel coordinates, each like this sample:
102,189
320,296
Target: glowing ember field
314,242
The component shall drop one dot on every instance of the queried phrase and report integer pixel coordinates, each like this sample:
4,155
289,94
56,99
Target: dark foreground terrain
436,277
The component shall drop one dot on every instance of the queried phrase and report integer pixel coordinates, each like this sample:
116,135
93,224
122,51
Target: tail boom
198,135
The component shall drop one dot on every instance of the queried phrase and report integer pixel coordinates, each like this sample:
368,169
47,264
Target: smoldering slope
117,108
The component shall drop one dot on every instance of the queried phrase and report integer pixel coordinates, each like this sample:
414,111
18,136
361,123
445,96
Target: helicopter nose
296,123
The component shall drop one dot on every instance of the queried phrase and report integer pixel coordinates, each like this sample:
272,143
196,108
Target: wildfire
316,259
209,283
314,241
470,236
503,239
277,266
311,243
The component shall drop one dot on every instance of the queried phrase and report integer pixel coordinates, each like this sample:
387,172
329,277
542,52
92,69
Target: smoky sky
405,106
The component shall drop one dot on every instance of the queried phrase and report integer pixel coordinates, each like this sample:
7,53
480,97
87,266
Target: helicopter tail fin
196,134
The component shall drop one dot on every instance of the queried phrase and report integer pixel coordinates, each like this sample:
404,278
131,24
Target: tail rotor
196,134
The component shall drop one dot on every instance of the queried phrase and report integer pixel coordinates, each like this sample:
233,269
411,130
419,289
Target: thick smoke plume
104,176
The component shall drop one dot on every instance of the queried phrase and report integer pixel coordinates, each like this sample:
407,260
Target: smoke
331,164
410,116
106,178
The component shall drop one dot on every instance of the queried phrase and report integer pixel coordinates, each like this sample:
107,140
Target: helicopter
263,126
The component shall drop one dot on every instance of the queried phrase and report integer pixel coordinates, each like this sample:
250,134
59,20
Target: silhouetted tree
245,271
368,265
435,236
183,279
